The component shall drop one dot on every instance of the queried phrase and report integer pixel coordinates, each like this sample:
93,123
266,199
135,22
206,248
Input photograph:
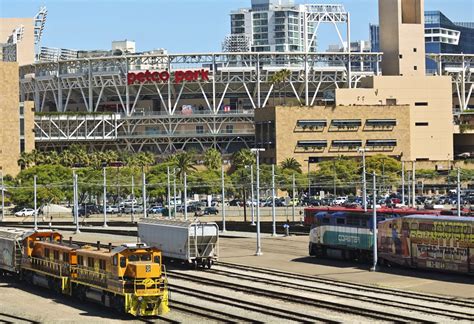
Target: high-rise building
282,26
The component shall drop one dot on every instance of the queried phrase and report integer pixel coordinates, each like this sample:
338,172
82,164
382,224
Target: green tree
242,158
212,159
184,162
384,166
291,164
277,79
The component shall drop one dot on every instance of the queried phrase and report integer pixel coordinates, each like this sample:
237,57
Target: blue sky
181,26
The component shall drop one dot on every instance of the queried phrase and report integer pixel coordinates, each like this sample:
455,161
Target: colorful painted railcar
343,235
429,242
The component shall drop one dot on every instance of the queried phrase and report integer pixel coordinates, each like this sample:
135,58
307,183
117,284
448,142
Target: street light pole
174,192
293,205
413,187
223,198
105,196
76,203
252,209
35,205
133,198
169,191
144,193
273,202
403,182
374,224
259,246
364,181
459,193
185,184
3,196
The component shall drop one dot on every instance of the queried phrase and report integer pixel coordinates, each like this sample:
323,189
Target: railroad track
207,313
344,309
412,306
361,287
7,319
248,305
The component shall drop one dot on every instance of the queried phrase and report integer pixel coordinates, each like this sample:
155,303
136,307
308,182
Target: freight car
343,235
311,212
129,278
422,241
192,242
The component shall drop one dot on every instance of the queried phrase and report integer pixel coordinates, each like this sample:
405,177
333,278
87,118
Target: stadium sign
164,76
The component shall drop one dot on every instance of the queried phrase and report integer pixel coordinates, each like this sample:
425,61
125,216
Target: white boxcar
11,249
189,241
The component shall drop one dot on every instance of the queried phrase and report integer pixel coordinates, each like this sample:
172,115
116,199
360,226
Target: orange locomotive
129,278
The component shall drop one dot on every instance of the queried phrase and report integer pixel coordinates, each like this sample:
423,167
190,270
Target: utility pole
259,246
294,199
409,187
459,192
3,195
273,202
76,202
35,204
364,181
169,191
403,182
144,193
223,198
185,183
104,172
133,199
374,224
413,187
174,192
252,209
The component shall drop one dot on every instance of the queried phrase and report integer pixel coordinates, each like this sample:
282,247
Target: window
102,265
415,68
80,260
389,142
156,259
400,56
415,50
90,262
418,104
325,220
391,102
350,144
133,258
312,144
422,124
145,257
346,123
381,122
123,262
66,257
22,126
229,129
56,255
340,221
200,129
46,253
115,260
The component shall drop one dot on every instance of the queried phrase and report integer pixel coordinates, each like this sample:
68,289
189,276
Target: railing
91,276
58,268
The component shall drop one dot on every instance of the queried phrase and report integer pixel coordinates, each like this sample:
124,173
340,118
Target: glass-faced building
441,36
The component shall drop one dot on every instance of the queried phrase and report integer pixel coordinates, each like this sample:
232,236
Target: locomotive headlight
140,298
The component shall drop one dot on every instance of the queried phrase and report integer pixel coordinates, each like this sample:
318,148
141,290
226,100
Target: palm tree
242,158
25,160
212,159
184,162
291,164
277,79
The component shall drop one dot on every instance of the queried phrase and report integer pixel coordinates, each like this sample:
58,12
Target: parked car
112,209
136,209
211,211
235,202
25,212
155,210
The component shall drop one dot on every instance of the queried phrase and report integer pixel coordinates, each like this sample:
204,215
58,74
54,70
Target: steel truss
461,69
159,134
89,85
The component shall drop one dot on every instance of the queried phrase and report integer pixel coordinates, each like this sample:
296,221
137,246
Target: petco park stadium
163,103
